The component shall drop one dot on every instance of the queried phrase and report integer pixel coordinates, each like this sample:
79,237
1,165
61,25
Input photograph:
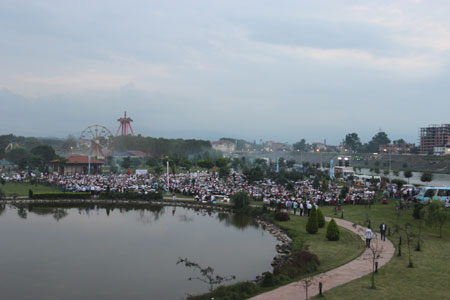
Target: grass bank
427,280
21,189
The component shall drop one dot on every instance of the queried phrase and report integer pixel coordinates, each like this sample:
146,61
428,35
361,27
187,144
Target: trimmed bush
312,225
61,195
320,218
333,233
2,194
281,216
131,196
30,194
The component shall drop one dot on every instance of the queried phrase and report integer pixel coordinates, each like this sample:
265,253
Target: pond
104,253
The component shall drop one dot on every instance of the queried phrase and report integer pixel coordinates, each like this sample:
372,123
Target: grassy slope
21,189
331,254
427,280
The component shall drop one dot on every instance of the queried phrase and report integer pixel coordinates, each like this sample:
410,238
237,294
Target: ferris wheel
96,140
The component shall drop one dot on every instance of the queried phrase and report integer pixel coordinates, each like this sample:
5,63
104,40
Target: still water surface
99,253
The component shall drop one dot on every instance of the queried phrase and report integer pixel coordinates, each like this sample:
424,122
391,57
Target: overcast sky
280,70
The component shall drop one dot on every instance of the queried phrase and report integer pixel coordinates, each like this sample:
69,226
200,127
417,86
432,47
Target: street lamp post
389,153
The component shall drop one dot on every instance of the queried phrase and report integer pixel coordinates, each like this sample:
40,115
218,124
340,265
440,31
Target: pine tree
320,218
333,231
312,224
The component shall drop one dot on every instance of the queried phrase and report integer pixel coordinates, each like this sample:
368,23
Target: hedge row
131,196
60,195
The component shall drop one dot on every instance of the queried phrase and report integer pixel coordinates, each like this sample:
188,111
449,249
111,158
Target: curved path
355,269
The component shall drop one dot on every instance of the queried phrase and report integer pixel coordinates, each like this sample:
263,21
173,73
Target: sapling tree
437,215
375,250
409,234
206,274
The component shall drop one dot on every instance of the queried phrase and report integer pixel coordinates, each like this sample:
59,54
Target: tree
437,215
316,183
408,174
419,214
312,225
254,174
352,142
290,163
206,164
320,218
409,238
333,233
300,146
427,176
19,156
221,162
45,152
240,200
206,274
126,162
152,162
260,162
399,142
378,139
224,172
376,249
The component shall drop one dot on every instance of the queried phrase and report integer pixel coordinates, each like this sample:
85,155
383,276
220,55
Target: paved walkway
355,269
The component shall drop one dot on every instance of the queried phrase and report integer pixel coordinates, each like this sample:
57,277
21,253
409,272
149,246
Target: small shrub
2,194
303,262
333,233
281,216
312,225
320,218
30,194
267,280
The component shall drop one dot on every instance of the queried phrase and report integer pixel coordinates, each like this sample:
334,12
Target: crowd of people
205,186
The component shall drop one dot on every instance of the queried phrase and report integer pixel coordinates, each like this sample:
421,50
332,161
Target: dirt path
355,269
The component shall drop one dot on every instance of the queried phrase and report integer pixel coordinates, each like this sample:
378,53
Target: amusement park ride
125,124
97,140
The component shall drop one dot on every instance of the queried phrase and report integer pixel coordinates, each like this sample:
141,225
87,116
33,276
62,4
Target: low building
442,150
396,148
78,164
224,146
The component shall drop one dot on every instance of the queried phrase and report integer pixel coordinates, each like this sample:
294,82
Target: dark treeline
158,147
27,142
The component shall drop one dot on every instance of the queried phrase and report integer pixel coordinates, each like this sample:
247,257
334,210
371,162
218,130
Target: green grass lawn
22,189
331,254
430,277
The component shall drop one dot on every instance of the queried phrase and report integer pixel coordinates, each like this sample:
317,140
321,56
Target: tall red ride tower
125,126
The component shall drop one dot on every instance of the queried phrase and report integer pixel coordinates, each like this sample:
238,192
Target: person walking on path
383,231
368,235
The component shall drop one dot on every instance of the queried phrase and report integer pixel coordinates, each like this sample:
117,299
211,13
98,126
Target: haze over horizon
243,69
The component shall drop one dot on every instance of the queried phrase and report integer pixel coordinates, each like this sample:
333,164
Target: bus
367,180
434,193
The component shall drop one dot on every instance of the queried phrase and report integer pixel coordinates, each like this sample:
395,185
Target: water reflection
237,220
128,253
